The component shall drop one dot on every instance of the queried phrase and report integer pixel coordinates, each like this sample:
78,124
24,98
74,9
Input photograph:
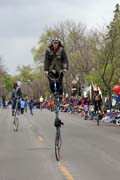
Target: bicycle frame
16,120
55,80
56,101
16,107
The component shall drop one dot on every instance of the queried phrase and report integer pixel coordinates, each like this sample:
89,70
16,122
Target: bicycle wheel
58,144
16,123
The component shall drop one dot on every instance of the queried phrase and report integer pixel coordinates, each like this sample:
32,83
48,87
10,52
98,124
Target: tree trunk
110,97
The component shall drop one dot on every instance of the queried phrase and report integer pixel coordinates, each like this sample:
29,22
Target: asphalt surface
88,152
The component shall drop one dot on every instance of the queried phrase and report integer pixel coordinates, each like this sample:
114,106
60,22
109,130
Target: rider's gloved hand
64,70
46,73
62,123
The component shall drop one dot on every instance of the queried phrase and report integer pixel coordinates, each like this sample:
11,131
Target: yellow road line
65,172
40,139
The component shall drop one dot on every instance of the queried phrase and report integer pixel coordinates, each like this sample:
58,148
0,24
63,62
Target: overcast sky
23,21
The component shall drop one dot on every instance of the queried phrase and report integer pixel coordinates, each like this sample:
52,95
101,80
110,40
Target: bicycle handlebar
53,73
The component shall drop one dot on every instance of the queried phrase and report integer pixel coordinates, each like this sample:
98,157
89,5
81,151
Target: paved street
88,152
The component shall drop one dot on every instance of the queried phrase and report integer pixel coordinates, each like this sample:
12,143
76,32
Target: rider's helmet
55,39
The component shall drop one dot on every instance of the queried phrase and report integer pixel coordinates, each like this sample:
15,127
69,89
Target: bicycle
58,122
16,119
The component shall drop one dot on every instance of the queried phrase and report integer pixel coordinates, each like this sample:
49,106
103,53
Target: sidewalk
101,123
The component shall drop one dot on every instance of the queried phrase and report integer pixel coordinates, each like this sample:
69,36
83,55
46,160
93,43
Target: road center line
65,172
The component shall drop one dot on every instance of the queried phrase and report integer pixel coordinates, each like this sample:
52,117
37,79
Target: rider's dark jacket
16,93
55,60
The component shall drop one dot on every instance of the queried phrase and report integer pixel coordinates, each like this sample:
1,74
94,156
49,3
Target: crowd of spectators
82,105
89,109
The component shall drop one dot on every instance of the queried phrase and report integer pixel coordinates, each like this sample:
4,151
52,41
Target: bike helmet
55,39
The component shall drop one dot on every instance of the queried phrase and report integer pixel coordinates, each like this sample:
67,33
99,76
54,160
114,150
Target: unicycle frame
58,139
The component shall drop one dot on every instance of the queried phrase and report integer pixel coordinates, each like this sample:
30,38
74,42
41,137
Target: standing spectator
22,105
48,105
41,101
91,112
108,103
86,109
52,105
31,106
97,100
3,101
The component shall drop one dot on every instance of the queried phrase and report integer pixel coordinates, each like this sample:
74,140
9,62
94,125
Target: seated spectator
91,112
52,105
86,109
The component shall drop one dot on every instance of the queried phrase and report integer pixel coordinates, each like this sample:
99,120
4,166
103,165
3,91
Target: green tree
79,45
108,56
25,73
6,80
